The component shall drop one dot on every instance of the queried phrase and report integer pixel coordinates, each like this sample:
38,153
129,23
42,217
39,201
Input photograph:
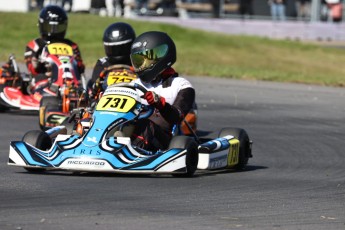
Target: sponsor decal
85,162
136,45
115,33
115,124
117,90
92,139
87,152
218,162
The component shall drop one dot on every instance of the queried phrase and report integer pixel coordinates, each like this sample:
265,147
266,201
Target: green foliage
199,53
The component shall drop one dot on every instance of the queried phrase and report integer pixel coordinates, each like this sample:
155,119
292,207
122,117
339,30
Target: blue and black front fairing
107,156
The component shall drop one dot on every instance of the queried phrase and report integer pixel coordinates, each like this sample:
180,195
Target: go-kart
17,91
105,145
14,88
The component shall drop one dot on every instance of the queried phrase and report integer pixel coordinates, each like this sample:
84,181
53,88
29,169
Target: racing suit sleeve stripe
33,46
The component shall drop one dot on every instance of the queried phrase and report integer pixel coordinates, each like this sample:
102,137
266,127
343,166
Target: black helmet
152,53
52,22
117,40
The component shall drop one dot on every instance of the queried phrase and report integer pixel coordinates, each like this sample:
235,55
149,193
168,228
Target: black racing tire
48,101
245,151
3,107
192,155
40,140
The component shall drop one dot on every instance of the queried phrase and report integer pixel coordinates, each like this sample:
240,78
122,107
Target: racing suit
33,51
155,132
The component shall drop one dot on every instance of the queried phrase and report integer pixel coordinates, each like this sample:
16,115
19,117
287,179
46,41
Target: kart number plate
116,103
234,152
60,49
118,77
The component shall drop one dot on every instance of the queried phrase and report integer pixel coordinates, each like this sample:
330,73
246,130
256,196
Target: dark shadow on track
20,112
198,173
249,168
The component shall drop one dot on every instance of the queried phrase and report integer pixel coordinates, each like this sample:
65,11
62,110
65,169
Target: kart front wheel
40,140
192,155
245,146
3,108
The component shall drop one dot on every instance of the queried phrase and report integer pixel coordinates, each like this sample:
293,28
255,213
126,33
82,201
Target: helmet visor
147,58
53,28
117,50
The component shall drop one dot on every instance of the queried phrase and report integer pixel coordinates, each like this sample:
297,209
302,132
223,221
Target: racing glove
154,99
6,70
6,66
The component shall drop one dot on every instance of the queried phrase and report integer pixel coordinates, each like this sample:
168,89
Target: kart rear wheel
245,149
50,102
192,155
40,140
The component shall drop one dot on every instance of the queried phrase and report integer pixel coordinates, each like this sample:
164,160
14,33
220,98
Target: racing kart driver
52,24
152,55
117,41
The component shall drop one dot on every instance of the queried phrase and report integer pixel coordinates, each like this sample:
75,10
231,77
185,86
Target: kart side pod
222,152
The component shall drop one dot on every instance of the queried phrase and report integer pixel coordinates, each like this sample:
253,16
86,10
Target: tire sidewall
192,155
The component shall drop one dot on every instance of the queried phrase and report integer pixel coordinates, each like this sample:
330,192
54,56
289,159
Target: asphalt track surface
296,179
